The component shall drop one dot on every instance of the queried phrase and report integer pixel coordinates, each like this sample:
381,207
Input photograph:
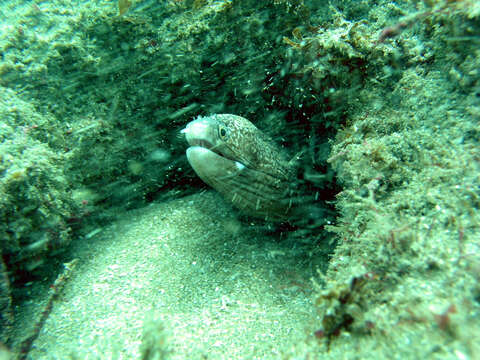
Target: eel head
234,157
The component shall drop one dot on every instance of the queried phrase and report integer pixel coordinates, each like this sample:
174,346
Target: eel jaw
212,168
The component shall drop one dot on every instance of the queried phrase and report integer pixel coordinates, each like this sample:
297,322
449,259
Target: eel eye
222,132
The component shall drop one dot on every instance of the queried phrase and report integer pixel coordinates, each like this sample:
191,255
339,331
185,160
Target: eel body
234,157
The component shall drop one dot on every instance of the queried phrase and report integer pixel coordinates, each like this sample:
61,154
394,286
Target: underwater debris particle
55,289
297,33
197,4
123,6
291,43
443,320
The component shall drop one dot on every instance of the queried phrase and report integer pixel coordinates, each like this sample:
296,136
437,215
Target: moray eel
244,165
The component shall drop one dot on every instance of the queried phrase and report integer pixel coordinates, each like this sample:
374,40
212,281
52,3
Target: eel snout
199,133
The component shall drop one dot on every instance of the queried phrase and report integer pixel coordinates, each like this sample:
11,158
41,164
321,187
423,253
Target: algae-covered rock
35,202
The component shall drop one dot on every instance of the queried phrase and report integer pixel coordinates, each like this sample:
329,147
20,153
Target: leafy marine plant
123,6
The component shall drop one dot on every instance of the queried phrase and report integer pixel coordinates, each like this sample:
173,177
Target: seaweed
123,6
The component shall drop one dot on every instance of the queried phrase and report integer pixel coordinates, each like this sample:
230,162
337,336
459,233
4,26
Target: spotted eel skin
244,165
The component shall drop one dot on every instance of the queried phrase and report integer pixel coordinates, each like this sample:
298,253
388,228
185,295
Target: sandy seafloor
188,266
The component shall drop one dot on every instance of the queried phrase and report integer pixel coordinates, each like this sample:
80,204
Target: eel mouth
210,166
202,143
206,145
